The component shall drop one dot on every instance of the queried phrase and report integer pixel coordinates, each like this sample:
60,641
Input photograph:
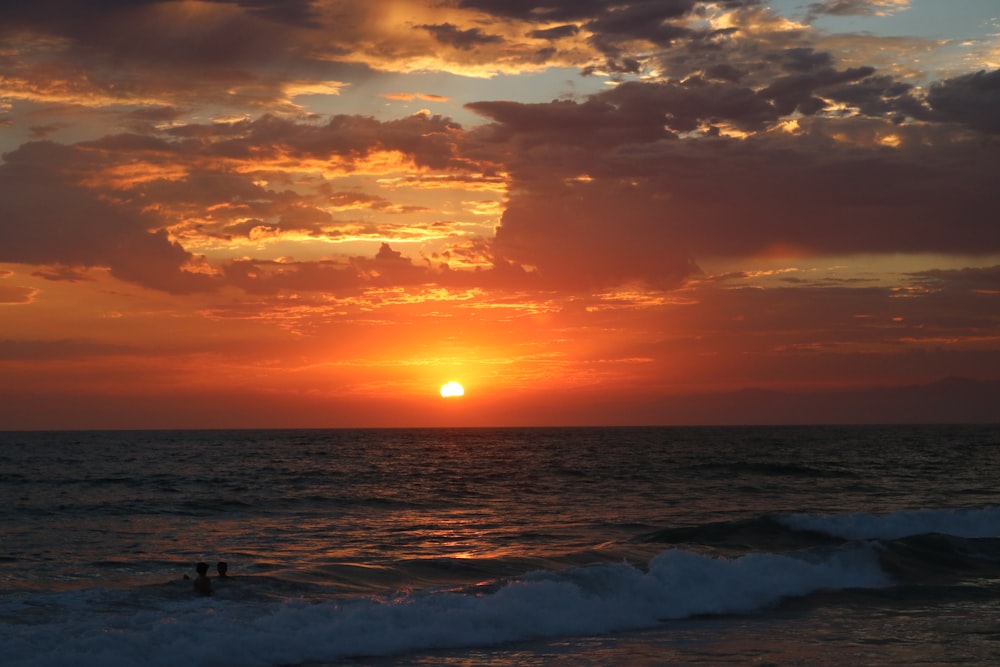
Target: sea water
589,546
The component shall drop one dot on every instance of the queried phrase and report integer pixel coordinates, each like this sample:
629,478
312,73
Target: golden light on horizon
452,390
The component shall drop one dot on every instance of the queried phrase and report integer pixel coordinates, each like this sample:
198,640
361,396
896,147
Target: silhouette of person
222,567
202,584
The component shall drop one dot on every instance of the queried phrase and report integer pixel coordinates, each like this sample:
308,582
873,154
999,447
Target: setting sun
452,390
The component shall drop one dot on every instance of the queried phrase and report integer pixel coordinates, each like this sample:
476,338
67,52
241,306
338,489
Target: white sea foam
982,522
110,628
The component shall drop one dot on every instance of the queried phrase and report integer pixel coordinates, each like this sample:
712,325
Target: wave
103,627
264,620
791,470
787,532
766,533
975,522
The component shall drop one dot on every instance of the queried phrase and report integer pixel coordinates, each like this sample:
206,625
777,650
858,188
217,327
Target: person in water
202,584
222,567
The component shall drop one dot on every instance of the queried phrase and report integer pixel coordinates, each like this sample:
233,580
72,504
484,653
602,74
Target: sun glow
452,390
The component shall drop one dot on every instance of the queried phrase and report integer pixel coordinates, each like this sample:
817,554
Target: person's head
222,567
201,568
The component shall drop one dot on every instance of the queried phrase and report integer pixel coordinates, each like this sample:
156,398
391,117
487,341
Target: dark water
795,545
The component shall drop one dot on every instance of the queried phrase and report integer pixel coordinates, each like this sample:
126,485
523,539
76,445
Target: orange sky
314,213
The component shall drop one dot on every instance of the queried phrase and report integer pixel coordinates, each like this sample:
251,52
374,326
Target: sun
452,390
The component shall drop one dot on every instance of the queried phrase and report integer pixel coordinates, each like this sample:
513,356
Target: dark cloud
124,34
805,59
973,100
589,235
843,8
558,32
64,14
594,122
153,53
73,17
539,10
879,96
724,72
645,21
683,106
292,12
613,27
798,91
390,268
984,280
632,112
46,217
431,140
42,131
601,193
449,34
578,10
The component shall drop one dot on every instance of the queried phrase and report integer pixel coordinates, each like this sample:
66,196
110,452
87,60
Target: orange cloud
409,97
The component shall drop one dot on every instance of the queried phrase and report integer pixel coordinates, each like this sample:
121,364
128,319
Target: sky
315,213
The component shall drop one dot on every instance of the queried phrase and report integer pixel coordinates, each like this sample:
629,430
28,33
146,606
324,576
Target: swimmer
202,584
222,567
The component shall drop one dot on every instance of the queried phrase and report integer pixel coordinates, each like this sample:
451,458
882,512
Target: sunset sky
315,213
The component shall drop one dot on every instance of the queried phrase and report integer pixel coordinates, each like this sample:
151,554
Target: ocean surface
578,546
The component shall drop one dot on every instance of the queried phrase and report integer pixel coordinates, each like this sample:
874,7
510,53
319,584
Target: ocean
829,545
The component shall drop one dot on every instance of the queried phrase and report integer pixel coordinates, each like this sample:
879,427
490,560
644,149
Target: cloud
558,32
212,34
408,97
978,280
429,140
649,22
607,190
798,92
972,99
446,33
856,7
46,217
633,184
130,202
63,273
141,53
63,349
538,10
16,295
744,136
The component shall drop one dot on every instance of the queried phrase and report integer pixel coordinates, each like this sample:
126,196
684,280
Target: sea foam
92,628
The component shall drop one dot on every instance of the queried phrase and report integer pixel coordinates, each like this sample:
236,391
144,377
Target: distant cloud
857,7
407,97
15,295
66,348
63,273
984,280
